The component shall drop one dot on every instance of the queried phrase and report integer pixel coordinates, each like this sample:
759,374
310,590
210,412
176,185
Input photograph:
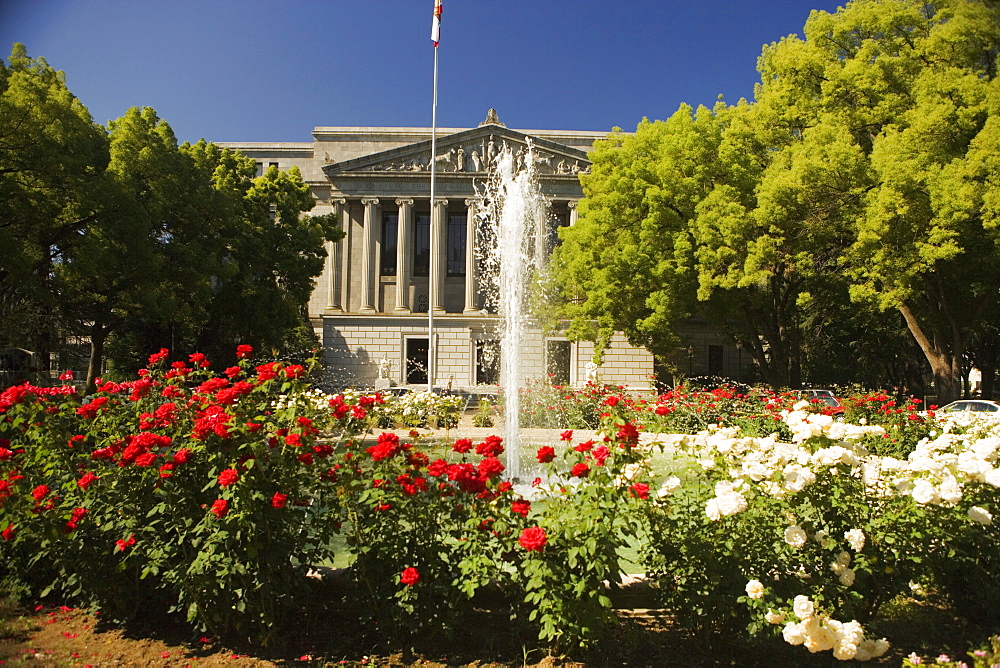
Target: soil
328,632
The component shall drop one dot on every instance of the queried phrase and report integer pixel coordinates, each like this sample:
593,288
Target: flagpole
431,348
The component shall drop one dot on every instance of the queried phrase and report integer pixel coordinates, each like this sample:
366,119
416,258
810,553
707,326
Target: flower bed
209,494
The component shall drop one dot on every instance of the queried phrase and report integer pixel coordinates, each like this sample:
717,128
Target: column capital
440,201
572,203
473,201
404,201
369,200
342,201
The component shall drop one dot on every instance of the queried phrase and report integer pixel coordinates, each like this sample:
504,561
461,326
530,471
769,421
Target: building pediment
464,154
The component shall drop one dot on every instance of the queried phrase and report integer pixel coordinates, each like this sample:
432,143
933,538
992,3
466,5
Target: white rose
924,492
881,646
712,509
852,632
856,539
803,607
795,536
844,651
950,491
669,485
794,634
844,558
847,577
798,477
755,589
980,515
731,503
773,617
992,478
821,640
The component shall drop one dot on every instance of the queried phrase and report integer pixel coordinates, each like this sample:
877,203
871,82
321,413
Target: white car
972,406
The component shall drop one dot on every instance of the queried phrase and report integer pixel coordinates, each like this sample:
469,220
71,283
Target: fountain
511,249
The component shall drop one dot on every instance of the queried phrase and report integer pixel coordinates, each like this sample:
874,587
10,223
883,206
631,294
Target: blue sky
257,70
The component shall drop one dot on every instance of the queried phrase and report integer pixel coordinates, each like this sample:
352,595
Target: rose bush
161,491
212,494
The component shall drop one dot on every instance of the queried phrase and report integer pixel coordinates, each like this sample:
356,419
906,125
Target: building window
456,245
715,360
557,361
422,245
487,362
416,361
272,164
559,219
260,169
387,259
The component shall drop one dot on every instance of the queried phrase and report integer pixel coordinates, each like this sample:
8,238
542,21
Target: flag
436,25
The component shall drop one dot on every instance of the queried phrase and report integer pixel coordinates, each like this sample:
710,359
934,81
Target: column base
367,309
402,310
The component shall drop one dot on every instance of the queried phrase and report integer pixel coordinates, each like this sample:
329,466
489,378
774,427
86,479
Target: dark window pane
456,245
422,245
487,362
387,262
416,361
557,361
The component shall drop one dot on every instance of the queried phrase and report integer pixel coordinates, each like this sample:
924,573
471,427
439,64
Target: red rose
279,500
640,490
122,545
611,401
228,477
581,470
243,351
600,454
566,435
490,447
437,468
86,480
533,539
490,467
545,454
8,533
462,445
220,507
294,371
40,492
521,507
410,576
156,358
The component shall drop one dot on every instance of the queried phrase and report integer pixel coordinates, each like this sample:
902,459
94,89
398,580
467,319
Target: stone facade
400,256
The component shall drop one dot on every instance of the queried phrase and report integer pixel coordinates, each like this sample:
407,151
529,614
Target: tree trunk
945,365
98,335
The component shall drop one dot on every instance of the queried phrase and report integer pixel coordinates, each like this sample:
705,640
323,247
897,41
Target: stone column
439,249
572,211
368,264
334,253
404,254
470,255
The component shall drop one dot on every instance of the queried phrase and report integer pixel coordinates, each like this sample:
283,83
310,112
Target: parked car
972,406
810,393
825,400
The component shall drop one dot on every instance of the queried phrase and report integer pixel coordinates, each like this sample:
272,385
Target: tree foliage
871,152
136,243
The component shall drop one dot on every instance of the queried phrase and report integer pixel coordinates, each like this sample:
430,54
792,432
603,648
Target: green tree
627,262
914,85
271,255
151,257
52,160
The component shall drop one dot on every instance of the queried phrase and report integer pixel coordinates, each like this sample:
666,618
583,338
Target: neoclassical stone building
403,255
